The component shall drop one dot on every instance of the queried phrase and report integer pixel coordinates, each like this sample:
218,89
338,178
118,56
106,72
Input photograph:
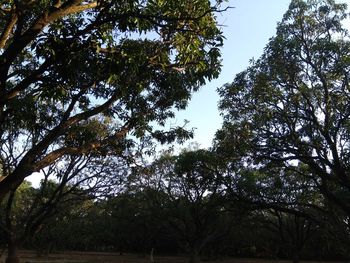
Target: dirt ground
92,257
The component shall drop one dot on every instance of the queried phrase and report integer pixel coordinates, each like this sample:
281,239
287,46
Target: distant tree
333,234
138,222
191,195
82,226
293,231
291,108
65,65
282,201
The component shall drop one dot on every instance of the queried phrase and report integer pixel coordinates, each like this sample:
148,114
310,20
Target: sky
247,27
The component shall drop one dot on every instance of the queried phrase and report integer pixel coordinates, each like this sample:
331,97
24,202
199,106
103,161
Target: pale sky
247,29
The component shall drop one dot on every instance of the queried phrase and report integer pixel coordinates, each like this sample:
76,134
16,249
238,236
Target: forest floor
27,256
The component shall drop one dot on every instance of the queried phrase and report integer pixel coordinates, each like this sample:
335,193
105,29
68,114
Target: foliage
78,77
83,80
290,108
66,186
188,190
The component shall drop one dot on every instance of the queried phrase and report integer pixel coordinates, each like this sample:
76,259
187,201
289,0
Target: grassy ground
91,257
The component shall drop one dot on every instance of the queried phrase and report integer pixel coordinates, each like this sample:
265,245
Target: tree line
85,91
183,205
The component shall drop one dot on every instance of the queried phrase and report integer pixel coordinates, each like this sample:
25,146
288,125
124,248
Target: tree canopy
290,109
84,80
78,77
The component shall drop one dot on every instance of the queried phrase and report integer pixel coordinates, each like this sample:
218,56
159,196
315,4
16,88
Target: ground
92,257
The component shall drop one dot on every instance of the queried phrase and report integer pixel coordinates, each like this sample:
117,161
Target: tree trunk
12,252
194,257
296,256
152,255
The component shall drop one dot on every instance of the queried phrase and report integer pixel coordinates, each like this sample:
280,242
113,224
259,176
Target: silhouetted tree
290,108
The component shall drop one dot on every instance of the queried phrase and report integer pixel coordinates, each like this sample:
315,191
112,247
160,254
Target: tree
77,179
13,209
281,201
138,222
82,226
294,232
65,65
191,196
291,108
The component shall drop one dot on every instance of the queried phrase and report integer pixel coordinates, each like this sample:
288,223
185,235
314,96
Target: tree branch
46,18
8,30
54,155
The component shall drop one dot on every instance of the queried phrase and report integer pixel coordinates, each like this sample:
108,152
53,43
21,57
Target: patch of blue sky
247,28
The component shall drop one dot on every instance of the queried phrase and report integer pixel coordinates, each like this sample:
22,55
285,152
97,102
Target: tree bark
296,255
194,257
12,252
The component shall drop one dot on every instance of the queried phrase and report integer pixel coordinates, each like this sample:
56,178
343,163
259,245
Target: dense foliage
77,77
289,111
